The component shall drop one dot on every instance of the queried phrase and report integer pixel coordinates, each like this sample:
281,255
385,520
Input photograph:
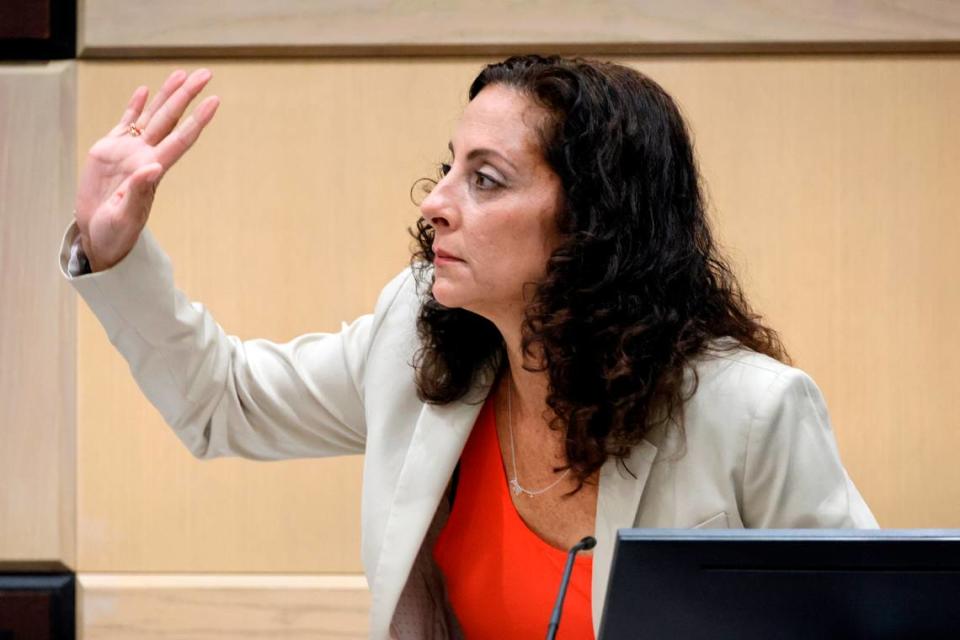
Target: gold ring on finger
134,130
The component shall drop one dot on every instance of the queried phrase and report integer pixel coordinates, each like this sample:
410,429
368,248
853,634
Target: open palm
122,169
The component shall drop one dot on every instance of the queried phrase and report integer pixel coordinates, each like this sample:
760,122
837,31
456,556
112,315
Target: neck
529,388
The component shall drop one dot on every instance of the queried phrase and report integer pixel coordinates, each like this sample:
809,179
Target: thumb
137,198
146,177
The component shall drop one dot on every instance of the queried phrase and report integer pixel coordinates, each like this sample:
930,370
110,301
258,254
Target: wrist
86,256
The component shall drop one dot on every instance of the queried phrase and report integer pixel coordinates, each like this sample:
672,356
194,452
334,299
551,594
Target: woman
567,356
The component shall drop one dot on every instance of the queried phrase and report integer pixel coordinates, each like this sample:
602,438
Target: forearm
221,395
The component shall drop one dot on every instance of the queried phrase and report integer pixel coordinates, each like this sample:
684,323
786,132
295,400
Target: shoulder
394,319
763,425
736,388
729,370
402,289
403,295
409,287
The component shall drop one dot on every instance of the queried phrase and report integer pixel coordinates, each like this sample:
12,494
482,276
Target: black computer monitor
770,584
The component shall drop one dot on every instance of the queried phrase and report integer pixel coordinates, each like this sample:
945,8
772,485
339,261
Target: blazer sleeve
221,395
793,476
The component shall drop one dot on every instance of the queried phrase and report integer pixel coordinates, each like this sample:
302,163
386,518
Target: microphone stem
558,607
586,543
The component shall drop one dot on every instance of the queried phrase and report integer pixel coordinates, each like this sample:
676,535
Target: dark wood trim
38,606
61,44
33,566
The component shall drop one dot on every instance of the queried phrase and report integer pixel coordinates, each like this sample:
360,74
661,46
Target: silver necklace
515,485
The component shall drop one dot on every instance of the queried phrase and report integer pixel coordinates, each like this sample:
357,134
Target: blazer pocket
718,521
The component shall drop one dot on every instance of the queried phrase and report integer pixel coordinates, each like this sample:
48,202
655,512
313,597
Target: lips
440,253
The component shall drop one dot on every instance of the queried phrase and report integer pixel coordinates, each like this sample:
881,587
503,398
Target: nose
439,208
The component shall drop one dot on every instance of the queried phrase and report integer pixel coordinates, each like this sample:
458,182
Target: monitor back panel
783,584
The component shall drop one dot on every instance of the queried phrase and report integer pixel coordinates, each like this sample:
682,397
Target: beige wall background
832,186
831,180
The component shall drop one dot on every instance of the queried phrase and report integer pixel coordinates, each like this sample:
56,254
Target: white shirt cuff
78,264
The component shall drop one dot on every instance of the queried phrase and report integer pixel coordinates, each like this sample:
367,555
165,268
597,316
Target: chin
453,294
447,294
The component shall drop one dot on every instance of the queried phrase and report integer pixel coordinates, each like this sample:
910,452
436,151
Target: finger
183,137
171,84
167,116
136,192
134,107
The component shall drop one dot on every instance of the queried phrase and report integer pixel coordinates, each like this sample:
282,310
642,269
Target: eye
483,181
443,169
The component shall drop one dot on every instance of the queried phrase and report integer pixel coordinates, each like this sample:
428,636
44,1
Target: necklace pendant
515,487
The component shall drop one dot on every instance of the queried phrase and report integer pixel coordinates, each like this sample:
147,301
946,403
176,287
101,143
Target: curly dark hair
636,290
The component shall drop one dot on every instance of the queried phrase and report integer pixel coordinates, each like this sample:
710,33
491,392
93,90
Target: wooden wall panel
293,27
288,216
37,314
201,607
831,182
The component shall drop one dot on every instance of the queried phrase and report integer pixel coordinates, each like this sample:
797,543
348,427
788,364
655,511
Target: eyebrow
483,151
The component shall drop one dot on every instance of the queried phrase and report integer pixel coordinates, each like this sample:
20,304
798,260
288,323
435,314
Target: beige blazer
759,450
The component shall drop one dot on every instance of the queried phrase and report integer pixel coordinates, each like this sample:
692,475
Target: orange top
502,579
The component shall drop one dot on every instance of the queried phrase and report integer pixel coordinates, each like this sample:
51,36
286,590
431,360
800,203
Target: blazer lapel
438,439
618,501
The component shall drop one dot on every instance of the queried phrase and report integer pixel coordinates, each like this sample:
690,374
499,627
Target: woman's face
494,211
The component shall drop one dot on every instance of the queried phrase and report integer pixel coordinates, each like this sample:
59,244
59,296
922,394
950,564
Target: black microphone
584,545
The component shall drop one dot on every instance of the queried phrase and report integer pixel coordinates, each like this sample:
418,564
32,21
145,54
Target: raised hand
123,169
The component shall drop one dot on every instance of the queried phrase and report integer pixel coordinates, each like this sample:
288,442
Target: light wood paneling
834,184
831,181
288,216
198,607
295,27
37,314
